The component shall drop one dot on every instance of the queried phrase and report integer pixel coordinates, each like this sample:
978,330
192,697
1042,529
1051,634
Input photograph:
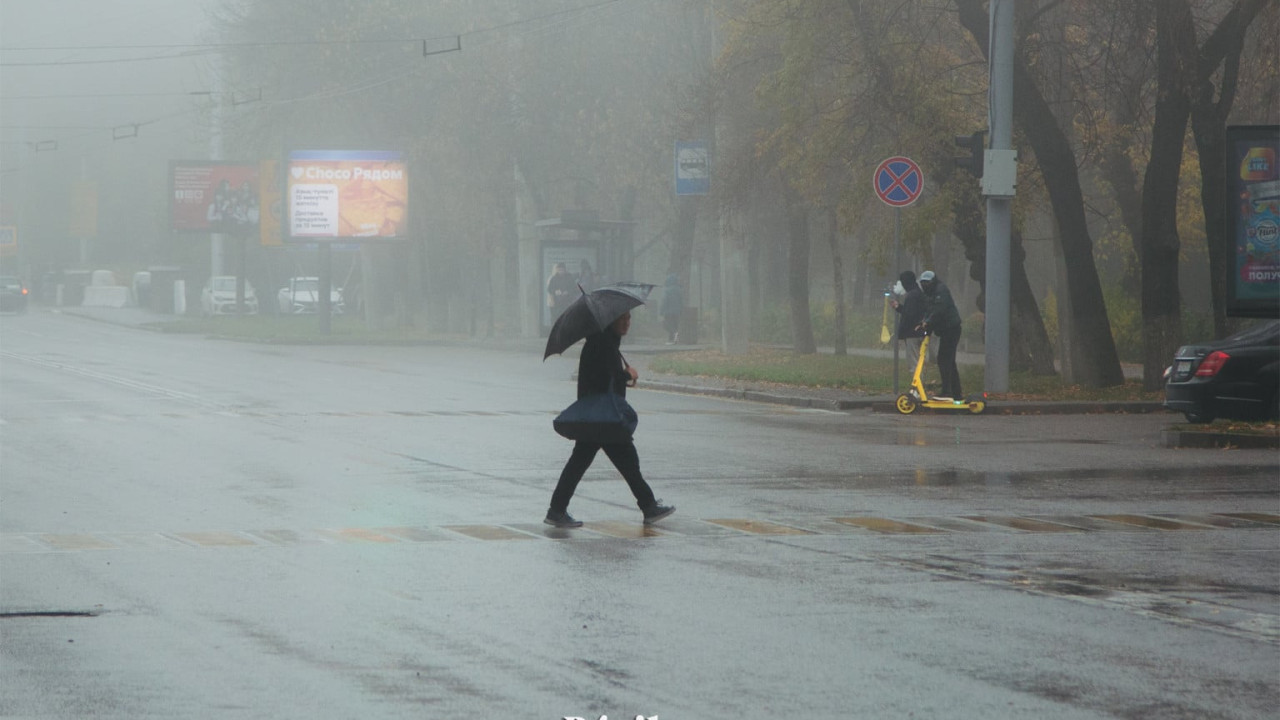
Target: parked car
302,296
1234,378
219,297
13,294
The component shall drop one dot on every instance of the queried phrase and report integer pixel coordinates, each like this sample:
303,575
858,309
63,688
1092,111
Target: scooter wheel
977,407
907,404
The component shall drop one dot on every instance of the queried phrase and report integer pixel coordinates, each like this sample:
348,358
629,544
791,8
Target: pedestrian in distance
562,289
600,368
942,319
671,308
910,309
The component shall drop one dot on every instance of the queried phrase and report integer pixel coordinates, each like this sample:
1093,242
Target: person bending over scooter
942,318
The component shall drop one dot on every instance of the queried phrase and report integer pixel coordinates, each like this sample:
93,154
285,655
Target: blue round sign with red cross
899,181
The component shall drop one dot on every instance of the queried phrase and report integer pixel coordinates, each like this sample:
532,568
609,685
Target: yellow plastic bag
885,334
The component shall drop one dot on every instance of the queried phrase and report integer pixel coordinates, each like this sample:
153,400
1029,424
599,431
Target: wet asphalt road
193,528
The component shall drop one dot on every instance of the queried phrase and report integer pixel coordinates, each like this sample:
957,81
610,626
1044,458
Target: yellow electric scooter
916,396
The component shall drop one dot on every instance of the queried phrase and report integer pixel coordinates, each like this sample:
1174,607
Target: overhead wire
195,49
568,18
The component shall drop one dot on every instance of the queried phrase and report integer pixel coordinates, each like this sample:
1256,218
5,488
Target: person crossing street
600,368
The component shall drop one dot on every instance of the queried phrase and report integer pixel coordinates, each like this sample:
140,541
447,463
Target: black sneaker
657,511
561,519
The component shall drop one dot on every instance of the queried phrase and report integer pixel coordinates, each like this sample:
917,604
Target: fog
75,113
536,132
98,99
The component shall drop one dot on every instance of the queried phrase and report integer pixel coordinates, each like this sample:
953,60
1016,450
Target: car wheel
1198,418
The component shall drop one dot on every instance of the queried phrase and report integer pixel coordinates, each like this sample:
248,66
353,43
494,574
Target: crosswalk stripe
42,542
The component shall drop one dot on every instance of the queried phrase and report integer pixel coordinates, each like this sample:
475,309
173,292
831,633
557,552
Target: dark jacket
566,285
940,312
911,312
601,364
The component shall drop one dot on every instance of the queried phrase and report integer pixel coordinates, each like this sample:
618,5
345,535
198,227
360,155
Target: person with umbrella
603,317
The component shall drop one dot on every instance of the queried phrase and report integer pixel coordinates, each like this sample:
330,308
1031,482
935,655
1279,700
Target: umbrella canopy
592,312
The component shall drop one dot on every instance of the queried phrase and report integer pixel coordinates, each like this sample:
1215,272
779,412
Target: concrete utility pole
999,180
215,154
735,273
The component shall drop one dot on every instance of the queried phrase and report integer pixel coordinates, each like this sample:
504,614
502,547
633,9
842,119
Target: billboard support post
326,282
243,267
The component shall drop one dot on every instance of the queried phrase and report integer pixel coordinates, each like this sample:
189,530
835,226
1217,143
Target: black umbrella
592,312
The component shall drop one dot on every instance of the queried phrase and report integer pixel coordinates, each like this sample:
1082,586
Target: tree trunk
1116,161
1118,170
1209,129
1094,360
1158,251
1029,347
837,282
798,250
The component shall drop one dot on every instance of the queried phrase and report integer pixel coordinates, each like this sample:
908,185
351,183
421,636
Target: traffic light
976,145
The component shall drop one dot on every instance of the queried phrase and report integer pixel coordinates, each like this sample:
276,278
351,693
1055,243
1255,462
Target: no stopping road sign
898,181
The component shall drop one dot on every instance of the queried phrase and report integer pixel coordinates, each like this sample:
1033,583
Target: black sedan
1234,378
13,294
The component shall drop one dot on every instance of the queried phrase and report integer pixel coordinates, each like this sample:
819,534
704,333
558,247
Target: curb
762,397
1192,439
884,405
1052,408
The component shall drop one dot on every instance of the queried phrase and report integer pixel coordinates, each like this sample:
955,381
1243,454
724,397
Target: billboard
213,197
1253,220
346,194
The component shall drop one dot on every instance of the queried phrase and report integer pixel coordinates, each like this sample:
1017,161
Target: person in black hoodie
600,368
942,318
910,313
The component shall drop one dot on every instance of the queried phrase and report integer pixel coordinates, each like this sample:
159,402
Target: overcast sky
77,27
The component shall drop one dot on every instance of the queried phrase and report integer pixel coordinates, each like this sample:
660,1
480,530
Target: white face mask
898,289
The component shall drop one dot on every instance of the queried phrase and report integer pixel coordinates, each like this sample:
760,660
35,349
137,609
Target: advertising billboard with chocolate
1253,220
344,194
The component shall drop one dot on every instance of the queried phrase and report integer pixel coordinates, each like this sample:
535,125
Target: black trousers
623,456
947,344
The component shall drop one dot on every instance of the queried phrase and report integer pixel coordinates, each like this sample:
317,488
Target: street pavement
199,528
641,351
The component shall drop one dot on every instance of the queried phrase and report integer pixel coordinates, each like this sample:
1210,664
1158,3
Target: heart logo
297,172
